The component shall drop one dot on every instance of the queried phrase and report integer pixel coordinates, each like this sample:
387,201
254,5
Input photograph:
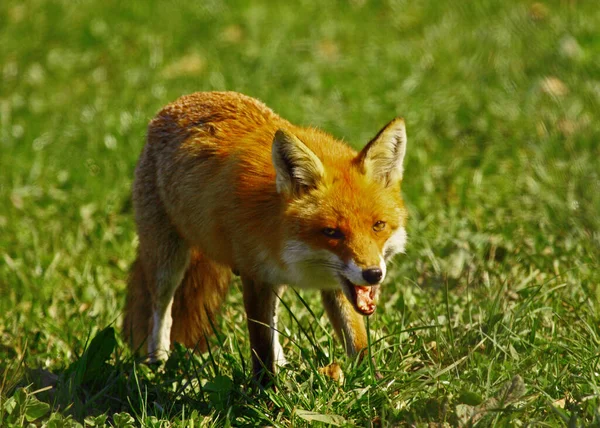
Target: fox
225,186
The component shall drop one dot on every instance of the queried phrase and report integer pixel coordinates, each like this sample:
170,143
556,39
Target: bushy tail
196,303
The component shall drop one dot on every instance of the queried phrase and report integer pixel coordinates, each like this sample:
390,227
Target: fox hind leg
168,274
165,258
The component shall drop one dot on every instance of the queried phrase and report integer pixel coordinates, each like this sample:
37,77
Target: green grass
490,318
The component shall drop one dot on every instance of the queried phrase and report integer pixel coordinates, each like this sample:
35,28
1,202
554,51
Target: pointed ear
382,158
296,166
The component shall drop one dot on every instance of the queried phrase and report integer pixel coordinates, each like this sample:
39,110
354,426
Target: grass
491,318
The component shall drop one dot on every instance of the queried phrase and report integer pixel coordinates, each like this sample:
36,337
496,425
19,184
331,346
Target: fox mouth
362,297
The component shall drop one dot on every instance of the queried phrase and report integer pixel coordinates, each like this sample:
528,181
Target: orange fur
224,184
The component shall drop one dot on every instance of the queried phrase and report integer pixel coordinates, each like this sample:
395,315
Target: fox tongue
365,299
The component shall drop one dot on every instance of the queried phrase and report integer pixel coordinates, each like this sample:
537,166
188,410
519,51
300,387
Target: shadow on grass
94,390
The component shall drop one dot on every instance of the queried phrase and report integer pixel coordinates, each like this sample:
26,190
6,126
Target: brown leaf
333,371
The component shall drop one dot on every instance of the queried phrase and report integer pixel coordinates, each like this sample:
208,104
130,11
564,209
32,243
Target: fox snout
373,275
364,275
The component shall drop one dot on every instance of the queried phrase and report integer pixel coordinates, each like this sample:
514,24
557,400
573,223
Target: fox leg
163,254
168,262
348,324
261,302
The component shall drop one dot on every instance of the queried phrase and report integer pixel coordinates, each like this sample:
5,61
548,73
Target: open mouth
362,297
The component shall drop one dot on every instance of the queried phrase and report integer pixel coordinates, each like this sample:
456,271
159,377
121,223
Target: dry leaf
333,371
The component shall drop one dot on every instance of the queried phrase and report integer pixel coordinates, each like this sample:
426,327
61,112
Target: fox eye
379,226
332,233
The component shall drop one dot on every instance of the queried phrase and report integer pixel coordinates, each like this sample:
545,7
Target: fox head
344,215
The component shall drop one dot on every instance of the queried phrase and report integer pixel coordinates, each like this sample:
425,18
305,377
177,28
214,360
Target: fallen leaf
333,371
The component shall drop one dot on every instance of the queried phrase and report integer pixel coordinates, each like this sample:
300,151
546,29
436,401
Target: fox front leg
348,324
261,302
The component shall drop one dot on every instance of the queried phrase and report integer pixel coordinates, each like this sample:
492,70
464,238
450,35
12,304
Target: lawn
490,318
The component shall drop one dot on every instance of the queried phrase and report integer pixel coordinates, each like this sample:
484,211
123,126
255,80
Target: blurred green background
502,182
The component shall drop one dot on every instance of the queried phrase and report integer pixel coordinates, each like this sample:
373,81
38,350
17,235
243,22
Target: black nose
372,275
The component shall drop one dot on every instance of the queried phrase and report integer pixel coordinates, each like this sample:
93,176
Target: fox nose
372,275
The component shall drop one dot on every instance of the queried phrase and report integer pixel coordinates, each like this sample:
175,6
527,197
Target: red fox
225,185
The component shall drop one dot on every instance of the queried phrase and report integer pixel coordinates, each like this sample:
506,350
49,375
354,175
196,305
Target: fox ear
383,157
296,166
